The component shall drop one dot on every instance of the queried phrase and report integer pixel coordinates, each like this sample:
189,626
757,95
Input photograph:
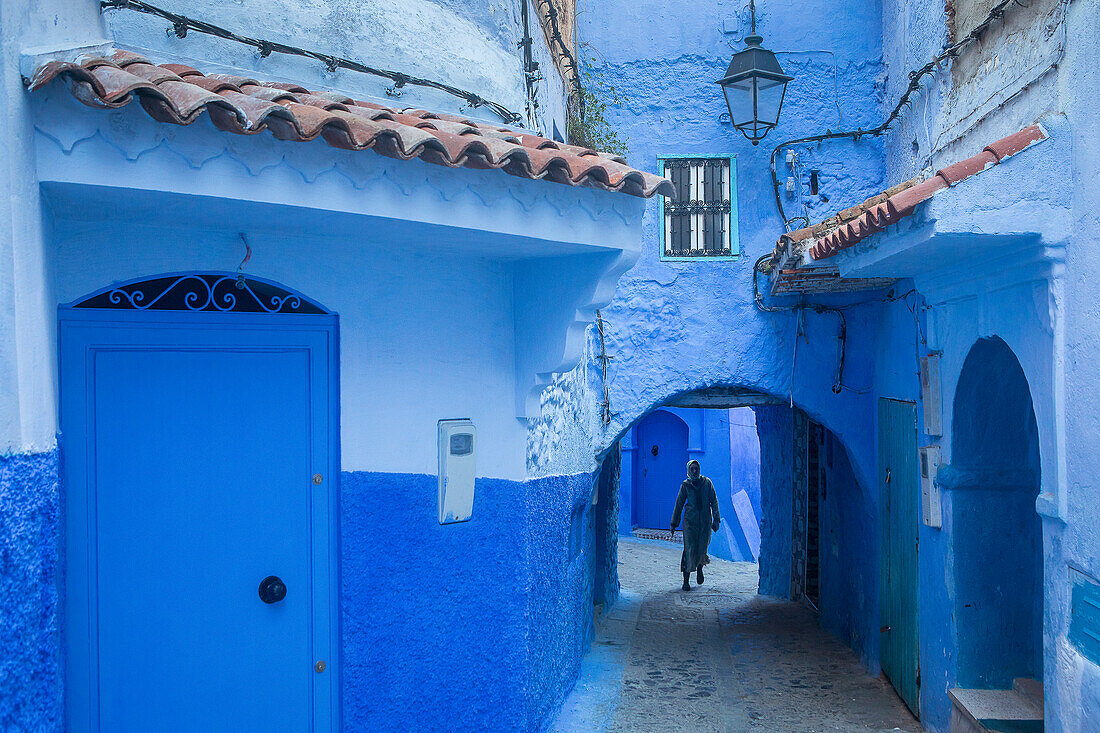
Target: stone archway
818,537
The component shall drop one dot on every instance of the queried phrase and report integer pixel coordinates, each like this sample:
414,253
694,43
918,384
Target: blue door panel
201,491
663,456
190,445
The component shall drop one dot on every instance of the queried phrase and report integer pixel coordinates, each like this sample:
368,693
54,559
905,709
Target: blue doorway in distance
662,465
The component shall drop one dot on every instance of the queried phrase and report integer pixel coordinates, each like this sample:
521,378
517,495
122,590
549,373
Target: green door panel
899,504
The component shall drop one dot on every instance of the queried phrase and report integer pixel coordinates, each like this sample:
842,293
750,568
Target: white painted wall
471,45
421,337
26,371
419,260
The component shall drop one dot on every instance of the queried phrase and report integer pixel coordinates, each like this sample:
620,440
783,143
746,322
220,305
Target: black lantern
754,86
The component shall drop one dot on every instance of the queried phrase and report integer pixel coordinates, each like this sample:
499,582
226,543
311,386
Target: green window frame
701,222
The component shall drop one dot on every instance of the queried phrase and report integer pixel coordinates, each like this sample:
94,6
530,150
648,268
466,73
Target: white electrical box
930,393
931,509
457,449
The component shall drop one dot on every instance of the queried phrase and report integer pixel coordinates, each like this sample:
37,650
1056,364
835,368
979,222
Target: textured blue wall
559,613
30,658
605,554
472,626
775,426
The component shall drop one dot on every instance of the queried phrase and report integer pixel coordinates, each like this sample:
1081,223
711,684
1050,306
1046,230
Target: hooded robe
699,505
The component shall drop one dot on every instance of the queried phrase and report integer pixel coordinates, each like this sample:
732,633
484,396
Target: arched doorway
997,534
200,456
662,459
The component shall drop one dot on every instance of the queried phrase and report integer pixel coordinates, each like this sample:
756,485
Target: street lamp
754,86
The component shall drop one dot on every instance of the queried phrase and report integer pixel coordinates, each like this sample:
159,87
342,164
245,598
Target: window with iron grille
701,222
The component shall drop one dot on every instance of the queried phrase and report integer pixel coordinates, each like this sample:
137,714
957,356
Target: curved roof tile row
179,94
855,224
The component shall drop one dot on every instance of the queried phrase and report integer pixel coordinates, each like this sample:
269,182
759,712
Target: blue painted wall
30,633
848,522
605,555
560,586
775,424
745,455
472,626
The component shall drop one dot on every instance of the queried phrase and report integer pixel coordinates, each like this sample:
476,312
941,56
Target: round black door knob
272,589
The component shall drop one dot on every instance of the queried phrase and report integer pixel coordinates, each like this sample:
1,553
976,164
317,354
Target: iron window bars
701,222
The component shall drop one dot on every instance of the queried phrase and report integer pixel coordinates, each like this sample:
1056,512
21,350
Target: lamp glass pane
739,100
769,98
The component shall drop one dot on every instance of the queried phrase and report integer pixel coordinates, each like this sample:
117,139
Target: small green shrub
587,124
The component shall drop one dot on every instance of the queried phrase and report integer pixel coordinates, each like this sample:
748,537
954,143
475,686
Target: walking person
699,505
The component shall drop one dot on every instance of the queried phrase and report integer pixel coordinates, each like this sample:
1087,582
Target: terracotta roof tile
179,94
858,222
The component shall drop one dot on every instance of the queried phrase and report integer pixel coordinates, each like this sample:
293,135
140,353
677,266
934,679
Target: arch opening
803,515
997,534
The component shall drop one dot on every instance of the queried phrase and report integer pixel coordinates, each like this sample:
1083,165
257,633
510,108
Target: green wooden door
899,503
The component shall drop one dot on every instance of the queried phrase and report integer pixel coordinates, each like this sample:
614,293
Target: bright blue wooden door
899,501
190,451
663,456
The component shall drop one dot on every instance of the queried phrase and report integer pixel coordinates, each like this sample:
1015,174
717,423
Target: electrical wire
181,25
915,77
531,75
799,309
577,92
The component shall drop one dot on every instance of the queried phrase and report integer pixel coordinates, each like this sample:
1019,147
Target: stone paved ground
719,658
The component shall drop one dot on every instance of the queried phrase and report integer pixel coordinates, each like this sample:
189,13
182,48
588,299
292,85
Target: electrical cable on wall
181,25
842,324
531,75
951,51
577,92
605,407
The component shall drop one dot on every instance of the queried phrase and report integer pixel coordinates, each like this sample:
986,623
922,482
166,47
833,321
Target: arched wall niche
996,534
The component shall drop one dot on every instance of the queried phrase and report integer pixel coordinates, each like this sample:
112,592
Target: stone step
998,711
1031,689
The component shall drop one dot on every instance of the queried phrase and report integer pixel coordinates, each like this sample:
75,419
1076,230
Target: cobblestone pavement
719,658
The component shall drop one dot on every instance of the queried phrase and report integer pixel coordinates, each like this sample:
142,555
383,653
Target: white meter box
931,508
457,449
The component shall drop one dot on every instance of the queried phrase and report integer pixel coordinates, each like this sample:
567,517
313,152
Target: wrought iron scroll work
202,292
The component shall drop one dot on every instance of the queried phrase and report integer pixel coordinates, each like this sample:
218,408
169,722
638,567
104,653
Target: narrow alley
719,658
